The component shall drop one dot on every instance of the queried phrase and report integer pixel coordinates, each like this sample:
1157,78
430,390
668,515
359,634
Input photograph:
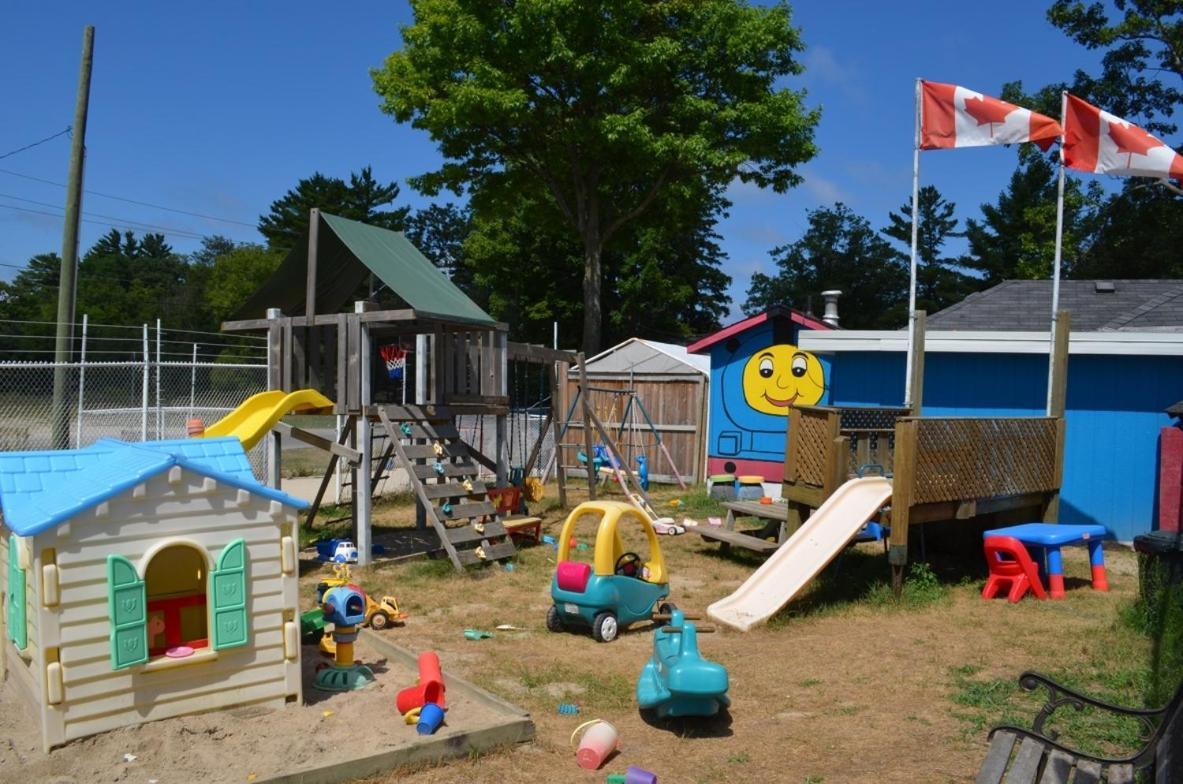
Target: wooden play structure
459,367
941,468
146,581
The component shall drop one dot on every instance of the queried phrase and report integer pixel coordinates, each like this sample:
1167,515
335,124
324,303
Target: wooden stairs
424,439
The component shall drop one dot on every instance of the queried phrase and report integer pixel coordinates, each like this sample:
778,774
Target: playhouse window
178,618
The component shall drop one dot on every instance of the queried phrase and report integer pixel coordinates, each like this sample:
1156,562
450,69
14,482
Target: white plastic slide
804,555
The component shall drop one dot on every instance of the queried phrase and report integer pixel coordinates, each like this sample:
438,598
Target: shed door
18,629
127,605
228,597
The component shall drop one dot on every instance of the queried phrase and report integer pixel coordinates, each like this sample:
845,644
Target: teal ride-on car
619,588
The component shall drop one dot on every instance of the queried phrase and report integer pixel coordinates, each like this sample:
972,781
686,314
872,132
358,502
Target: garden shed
670,388
146,581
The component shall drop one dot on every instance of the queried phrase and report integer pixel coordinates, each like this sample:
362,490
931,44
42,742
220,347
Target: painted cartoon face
781,376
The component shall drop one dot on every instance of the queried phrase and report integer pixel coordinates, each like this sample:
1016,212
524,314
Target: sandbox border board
517,727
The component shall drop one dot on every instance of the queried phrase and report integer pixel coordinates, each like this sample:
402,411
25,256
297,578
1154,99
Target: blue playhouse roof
39,490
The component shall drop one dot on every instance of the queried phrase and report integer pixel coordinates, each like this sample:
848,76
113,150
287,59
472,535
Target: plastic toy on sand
345,607
597,743
677,681
429,689
619,587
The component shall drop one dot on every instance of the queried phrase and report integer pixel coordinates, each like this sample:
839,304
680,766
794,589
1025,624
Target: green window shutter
127,603
228,597
18,628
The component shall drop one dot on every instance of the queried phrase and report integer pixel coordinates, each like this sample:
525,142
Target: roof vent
1104,286
831,298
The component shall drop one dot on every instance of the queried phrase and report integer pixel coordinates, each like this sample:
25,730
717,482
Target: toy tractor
380,615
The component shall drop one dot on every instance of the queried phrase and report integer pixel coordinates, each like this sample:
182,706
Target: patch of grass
697,503
739,759
814,779
805,684
862,577
595,691
1107,676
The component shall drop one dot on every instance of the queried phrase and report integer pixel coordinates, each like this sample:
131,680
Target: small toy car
621,588
337,551
667,526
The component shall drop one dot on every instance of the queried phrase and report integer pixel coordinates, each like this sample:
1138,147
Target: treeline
1134,233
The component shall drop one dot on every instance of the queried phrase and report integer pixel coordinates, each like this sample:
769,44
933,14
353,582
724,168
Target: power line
131,201
118,222
34,144
101,215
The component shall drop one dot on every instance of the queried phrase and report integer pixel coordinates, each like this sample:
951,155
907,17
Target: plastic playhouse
620,588
131,559
677,681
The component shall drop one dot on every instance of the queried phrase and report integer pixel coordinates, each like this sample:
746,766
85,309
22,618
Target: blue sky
218,108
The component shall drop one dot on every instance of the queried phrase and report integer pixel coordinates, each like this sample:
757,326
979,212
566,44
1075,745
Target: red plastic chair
1010,565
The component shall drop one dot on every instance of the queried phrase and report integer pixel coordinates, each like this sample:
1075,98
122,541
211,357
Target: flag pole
912,276
1051,359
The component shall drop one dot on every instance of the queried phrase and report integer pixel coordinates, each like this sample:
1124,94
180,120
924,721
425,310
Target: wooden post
918,328
362,490
901,499
310,278
501,381
585,406
700,434
439,361
1051,510
311,374
833,456
1059,377
558,405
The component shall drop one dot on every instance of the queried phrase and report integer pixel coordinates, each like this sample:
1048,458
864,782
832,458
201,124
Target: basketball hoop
395,358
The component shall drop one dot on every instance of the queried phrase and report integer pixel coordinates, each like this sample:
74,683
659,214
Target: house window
177,606
178,616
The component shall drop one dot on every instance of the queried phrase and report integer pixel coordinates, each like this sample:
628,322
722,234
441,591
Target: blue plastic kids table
1051,537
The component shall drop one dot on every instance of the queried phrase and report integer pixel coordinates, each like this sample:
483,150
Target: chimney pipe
831,314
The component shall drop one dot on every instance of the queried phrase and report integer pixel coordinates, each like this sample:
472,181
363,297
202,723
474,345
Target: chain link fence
145,399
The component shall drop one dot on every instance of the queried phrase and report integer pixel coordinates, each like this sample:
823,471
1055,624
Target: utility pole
67,286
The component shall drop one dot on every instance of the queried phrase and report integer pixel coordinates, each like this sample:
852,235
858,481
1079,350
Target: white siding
98,698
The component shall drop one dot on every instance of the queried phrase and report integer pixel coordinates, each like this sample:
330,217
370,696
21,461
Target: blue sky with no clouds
218,108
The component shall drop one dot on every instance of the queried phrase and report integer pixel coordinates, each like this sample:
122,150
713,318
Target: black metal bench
1031,756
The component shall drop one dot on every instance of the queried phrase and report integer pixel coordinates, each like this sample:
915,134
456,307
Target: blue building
757,372
1125,368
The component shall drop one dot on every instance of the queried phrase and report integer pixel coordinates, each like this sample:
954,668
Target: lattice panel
812,448
959,459
870,418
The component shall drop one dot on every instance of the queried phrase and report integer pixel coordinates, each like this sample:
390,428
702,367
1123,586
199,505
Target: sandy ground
237,746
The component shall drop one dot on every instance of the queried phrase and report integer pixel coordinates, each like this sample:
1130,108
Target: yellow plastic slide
259,413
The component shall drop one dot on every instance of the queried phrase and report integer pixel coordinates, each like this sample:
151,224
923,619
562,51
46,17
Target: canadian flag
1096,141
954,116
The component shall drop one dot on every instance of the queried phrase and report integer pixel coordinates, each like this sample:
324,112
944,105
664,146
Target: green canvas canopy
347,252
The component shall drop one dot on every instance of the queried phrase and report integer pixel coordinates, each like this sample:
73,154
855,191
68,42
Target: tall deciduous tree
1142,40
939,279
596,108
362,199
841,251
